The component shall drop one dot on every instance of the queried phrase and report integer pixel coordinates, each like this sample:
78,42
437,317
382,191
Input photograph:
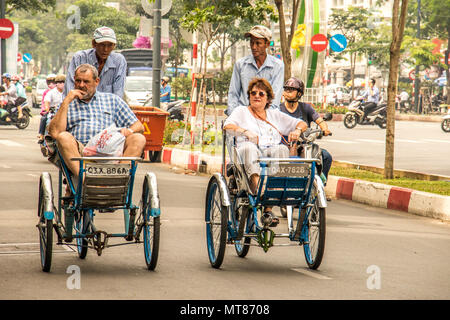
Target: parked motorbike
405,106
175,110
356,115
13,115
445,124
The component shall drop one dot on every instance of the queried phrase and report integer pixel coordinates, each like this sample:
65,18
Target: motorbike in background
445,124
175,110
357,115
13,115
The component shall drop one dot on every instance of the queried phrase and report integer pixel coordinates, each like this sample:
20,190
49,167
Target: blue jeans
327,159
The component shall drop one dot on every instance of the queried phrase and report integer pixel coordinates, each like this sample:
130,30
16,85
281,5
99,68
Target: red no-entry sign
6,28
319,42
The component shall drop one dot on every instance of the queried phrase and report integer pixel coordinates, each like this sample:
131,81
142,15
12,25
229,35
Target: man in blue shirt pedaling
85,111
111,66
166,91
258,64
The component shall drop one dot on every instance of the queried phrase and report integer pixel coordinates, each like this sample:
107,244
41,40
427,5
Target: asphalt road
370,253
419,146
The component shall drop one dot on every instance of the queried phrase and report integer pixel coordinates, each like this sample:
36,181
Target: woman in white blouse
259,129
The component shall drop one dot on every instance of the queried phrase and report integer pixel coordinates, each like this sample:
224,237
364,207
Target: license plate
107,169
290,170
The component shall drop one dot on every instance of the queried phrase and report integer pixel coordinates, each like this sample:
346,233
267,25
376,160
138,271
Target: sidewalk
370,193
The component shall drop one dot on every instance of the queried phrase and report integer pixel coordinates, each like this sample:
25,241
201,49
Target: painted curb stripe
344,188
167,155
193,162
399,199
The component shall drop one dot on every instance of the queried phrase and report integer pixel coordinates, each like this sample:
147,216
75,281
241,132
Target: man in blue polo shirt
258,64
166,91
85,112
111,66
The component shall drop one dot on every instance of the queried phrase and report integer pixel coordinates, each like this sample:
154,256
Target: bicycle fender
155,210
320,192
223,189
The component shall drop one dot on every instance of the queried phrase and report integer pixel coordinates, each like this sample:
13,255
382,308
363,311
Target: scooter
356,115
175,110
445,124
13,115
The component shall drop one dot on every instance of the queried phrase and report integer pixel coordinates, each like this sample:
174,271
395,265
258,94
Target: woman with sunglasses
259,131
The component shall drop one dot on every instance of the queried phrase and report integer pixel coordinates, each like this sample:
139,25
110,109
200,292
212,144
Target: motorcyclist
165,93
11,93
293,91
51,84
404,97
372,97
21,95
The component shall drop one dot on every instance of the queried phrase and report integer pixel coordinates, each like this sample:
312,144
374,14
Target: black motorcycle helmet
296,84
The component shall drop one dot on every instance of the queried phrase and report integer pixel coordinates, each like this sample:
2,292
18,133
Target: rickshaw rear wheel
216,217
45,225
82,244
151,228
315,247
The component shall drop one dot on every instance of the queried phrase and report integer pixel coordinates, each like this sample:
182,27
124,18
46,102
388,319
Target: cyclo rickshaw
231,210
105,184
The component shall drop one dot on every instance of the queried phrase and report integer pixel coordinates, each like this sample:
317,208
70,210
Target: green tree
398,26
211,17
286,39
31,6
353,24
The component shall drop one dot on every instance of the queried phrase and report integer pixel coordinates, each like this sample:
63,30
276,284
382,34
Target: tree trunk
283,40
352,72
447,72
398,26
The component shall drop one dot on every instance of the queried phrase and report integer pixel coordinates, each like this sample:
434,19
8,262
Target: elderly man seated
84,112
260,130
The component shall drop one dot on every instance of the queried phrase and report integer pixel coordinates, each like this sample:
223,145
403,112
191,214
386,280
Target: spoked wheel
243,246
350,120
445,125
382,123
216,217
82,227
45,224
23,122
315,245
151,225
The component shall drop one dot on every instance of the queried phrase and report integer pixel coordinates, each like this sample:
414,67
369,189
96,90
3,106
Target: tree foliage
31,6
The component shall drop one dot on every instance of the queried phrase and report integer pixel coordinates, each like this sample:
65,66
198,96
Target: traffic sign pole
3,41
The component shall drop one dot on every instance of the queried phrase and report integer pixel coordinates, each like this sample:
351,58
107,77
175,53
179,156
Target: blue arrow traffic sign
338,43
26,57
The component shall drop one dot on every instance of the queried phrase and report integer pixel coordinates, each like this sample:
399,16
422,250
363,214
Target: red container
154,121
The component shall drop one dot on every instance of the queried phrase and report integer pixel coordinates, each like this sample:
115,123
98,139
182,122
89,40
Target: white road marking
10,143
409,141
436,140
313,274
369,140
33,175
4,166
340,141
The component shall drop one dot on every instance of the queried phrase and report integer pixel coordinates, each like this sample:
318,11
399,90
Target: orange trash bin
154,121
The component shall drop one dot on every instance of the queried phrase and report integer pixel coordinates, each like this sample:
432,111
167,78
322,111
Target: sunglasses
289,89
59,82
261,93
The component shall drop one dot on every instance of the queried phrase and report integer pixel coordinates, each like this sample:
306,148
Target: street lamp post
156,46
416,79
3,41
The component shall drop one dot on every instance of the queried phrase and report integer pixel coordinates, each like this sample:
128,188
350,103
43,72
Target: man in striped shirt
111,66
85,111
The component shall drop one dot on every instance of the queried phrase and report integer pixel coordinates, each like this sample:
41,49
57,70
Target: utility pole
156,47
3,41
416,78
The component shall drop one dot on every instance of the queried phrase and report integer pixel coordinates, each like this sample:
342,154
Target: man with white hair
111,66
256,65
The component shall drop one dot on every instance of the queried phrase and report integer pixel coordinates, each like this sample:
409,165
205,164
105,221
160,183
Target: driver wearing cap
111,66
258,64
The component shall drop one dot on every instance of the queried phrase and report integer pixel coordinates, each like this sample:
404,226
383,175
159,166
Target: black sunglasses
261,93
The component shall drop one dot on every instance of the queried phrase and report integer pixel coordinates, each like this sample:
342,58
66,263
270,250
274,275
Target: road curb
370,193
